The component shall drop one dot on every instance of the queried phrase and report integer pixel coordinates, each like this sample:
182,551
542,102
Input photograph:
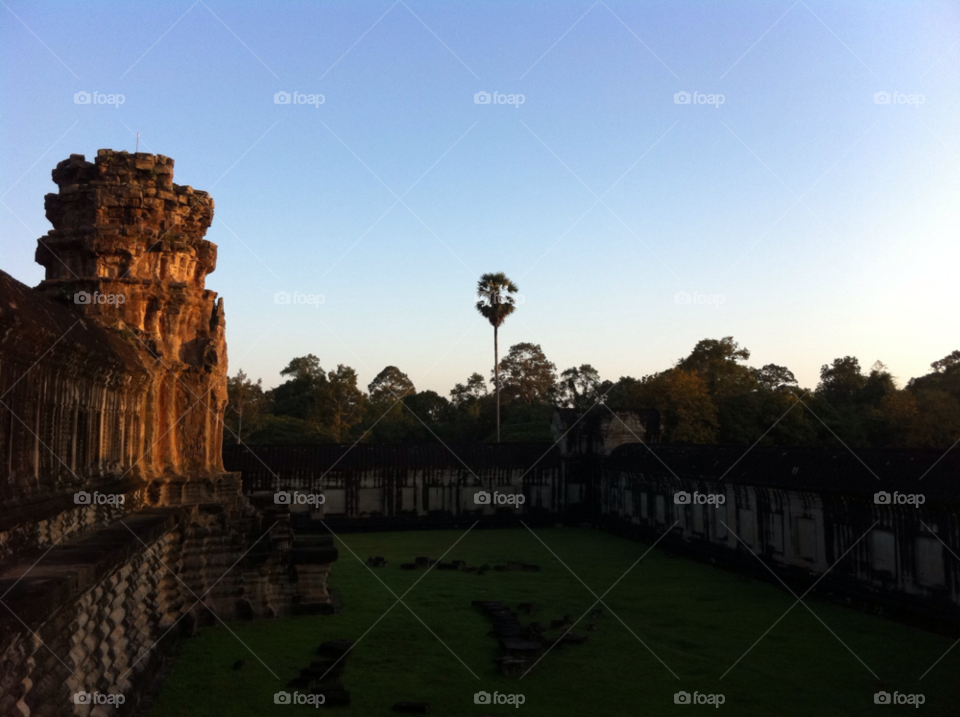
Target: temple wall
801,513
883,557
392,484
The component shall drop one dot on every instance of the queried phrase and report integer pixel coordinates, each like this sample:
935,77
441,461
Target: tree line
710,396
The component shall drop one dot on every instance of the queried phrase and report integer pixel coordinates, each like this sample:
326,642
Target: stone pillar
127,251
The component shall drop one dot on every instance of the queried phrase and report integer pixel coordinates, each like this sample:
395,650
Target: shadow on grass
691,618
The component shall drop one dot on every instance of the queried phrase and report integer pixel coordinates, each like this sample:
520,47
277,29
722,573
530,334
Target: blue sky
799,216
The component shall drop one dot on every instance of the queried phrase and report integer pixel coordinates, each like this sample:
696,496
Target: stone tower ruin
118,522
127,250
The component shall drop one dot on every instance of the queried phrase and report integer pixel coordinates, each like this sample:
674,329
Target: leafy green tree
304,368
851,404
432,414
622,394
466,398
773,377
430,406
390,385
899,414
473,412
770,416
944,377
717,362
936,422
948,363
579,387
708,396
245,407
386,418
340,408
284,430
472,391
688,415
527,376
841,381
297,396
879,383
838,404
495,305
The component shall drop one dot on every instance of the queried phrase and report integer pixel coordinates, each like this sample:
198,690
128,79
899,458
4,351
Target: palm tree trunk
496,372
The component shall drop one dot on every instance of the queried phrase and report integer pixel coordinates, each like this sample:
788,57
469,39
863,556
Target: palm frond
495,303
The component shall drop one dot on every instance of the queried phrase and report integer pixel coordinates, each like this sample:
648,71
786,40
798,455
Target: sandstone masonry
119,526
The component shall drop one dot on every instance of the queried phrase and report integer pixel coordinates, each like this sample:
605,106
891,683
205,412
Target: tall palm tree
496,305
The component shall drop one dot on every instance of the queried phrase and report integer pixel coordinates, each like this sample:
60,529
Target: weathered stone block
100,383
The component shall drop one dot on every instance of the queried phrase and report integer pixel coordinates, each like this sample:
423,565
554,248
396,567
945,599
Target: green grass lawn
697,619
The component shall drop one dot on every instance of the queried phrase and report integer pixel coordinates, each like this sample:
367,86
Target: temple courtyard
687,628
